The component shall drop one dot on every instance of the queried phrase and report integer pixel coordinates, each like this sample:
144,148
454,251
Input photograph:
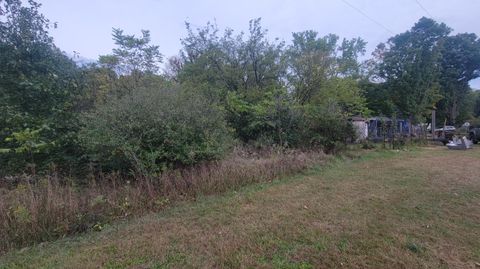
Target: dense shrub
264,117
326,127
152,129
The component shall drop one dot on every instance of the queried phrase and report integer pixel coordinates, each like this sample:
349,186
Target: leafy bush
265,118
327,127
152,129
274,119
368,145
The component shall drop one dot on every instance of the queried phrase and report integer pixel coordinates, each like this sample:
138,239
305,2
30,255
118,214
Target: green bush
152,129
326,127
264,118
368,145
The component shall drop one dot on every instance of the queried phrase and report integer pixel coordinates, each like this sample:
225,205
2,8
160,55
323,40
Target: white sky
85,25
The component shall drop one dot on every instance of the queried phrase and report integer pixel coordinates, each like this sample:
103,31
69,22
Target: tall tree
261,60
348,63
133,54
476,106
313,61
460,63
133,59
38,86
243,73
411,70
231,62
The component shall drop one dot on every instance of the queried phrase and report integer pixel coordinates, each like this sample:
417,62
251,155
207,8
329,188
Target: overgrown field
414,209
34,209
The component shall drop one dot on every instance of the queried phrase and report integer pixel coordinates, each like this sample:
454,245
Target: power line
368,17
424,9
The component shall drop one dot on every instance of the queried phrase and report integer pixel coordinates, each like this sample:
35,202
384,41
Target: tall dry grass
35,209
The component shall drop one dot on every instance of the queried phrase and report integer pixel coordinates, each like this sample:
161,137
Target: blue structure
378,125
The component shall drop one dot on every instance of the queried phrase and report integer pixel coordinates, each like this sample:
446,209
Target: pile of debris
460,143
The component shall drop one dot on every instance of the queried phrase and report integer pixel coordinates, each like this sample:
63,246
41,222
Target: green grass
386,209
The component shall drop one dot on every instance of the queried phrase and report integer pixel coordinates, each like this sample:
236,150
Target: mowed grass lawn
408,209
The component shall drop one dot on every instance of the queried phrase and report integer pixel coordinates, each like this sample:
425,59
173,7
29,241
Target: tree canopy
39,87
224,88
426,68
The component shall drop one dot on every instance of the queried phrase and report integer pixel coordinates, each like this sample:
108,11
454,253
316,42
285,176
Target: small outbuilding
361,128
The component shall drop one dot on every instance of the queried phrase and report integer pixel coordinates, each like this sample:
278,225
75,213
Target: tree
326,126
98,85
173,68
410,68
426,68
38,89
377,98
230,62
240,73
133,55
133,59
351,50
261,60
460,63
345,93
476,107
313,61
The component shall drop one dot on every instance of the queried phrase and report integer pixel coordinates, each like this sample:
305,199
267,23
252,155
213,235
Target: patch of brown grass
36,209
389,210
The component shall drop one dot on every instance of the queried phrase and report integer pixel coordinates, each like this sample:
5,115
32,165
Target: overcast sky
85,25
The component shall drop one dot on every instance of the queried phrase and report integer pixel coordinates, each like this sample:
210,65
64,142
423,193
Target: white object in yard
468,142
447,128
462,143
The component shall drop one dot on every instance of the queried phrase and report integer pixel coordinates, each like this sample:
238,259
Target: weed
34,209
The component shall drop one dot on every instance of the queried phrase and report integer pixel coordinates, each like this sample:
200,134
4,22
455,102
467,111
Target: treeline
123,113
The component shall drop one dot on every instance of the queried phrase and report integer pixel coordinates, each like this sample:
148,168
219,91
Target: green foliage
467,110
410,68
460,63
475,97
313,62
243,75
230,62
98,85
348,64
154,128
368,145
426,68
377,98
39,86
346,93
263,87
133,62
268,116
326,127
222,83
28,141
133,54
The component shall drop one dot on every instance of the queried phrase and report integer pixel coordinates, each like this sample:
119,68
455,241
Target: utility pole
433,123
